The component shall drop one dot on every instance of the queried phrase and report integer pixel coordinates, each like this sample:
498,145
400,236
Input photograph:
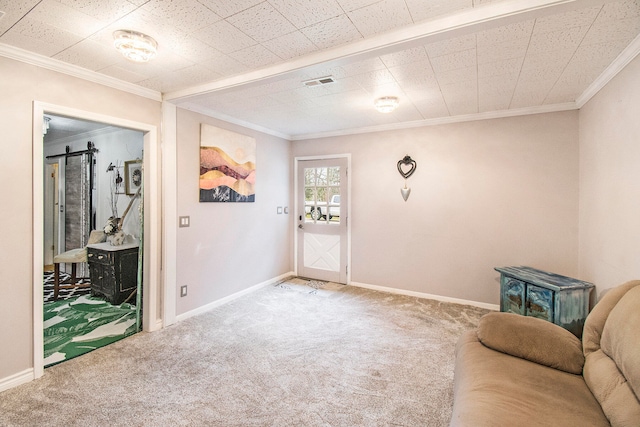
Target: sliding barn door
77,209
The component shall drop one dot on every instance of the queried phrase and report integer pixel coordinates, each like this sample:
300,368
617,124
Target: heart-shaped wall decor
407,166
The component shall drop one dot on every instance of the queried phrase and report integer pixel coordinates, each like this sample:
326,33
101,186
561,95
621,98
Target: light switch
279,211
184,221
286,210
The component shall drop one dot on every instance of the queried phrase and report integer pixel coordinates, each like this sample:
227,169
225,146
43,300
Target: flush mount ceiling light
386,104
135,46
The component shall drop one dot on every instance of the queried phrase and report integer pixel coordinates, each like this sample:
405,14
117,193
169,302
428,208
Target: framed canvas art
227,165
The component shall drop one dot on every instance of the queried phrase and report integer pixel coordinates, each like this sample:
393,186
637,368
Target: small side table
113,270
558,299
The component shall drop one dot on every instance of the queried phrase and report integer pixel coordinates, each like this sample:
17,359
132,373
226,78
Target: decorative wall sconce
407,166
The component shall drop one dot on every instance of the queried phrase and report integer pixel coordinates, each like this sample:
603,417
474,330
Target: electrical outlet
183,291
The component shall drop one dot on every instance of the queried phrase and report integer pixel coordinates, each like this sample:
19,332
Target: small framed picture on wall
119,180
132,176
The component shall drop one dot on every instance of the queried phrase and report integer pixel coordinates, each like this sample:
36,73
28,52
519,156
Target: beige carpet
295,354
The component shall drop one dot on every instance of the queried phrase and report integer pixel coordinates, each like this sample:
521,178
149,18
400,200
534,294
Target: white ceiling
245,60
63,128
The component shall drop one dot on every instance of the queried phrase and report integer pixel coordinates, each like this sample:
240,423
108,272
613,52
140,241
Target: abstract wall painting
227,165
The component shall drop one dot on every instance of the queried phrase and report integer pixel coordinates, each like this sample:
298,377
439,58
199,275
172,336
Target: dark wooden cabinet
113,271
558,299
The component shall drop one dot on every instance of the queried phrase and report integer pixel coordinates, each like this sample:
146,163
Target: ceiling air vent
319,81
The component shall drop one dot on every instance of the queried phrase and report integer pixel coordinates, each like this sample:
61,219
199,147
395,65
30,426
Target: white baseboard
28,374
485,305
231,297
16,379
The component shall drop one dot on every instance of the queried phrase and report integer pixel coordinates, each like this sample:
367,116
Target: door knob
300,226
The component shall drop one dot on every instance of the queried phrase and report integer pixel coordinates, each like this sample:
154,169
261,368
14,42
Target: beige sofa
522,371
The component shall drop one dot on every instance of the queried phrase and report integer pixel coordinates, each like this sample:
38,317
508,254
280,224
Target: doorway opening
152,274
92,229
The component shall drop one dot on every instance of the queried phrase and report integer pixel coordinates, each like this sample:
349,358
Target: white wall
485,194
22,84
230,246
610,182
114,145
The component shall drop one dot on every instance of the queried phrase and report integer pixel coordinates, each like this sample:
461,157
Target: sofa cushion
597,318
494,389
532,339
621,338
611,390
613,371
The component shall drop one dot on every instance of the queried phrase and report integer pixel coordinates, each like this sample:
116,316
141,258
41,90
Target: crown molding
618,64
489,115
75,71
86,135
205,111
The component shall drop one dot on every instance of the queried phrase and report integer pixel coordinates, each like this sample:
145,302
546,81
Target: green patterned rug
76,326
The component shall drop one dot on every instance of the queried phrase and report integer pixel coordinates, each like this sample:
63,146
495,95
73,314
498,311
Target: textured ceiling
61,128
245,60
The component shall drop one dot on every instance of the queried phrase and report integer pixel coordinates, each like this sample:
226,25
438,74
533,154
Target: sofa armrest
532,339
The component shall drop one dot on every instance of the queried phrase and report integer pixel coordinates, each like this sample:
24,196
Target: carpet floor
297,354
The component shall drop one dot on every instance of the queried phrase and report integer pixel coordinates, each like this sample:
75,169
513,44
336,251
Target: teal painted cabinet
558,299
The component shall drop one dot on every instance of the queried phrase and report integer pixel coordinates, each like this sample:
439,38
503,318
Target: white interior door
322,219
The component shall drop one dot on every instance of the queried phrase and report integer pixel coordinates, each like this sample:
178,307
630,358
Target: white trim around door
153,275
299,210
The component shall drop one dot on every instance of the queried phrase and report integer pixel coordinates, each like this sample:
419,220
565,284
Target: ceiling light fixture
386,104
135,46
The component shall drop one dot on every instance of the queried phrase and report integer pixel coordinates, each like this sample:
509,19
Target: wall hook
407,166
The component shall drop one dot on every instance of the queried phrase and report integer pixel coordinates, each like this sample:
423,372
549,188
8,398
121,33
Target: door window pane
322,195
309,177
333,176
321,176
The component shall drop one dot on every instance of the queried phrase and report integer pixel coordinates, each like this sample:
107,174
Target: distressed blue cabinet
558,299
513,296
